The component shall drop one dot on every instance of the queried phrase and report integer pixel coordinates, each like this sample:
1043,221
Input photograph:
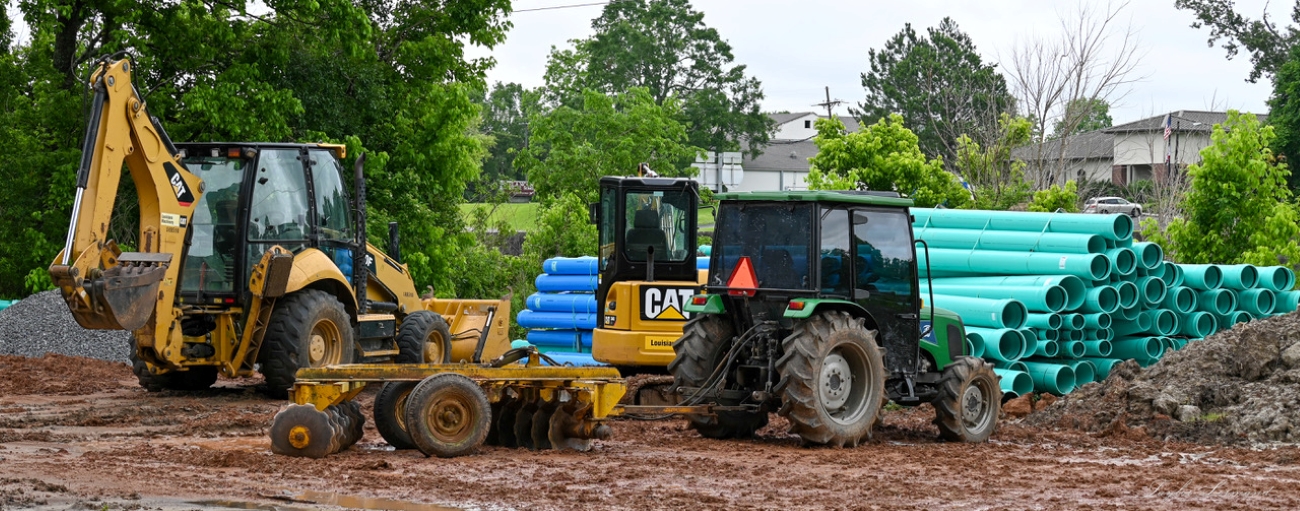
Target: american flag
1168,129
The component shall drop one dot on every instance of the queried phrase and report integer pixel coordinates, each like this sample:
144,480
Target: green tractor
812,311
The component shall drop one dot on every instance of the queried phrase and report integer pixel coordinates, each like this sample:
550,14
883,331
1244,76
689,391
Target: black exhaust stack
360,254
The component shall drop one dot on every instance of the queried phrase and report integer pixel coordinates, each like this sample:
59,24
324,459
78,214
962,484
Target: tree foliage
1086,114
998,178
387,78
884,156
1284,114
939,84
570,148
1267,44
1239,208
505,117
665,47
1056,198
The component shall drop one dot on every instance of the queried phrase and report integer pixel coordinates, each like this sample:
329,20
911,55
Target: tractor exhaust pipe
361,254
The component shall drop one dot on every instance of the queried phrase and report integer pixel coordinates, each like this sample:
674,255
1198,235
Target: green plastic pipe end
1217,301
1103,366
1097,320
1011,380
1074,291
1055,298
1098,348
1047,349
1202,276
1258,301
1051,377
1239,276
974,349
1073,321
1072,349
1153,290
1102,299
1198,324
1165,322
1122,260
1013,366
1050,321
1177,277
1275,278
1084,372
1149,254
1129,294
1180,299
1044,334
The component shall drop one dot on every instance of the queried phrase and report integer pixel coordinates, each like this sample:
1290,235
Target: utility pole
829,104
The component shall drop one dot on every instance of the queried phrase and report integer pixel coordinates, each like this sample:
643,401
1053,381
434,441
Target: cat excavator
250,258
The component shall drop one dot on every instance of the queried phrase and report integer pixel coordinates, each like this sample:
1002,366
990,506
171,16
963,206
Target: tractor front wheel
832,379
704,343
309,328
969,401
424,338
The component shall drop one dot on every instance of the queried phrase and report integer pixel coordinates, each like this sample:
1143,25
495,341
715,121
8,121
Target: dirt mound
1238,386
60,374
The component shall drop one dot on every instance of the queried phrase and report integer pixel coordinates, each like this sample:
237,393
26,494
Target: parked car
1105,205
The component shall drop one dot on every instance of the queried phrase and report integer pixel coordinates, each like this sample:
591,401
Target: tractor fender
313,269
818,305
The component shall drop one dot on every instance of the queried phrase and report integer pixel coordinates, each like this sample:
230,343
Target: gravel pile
1239,386
41,324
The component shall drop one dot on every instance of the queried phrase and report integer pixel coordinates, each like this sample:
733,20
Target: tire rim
324,347
975,406
399,409
450,417
842,384
433,348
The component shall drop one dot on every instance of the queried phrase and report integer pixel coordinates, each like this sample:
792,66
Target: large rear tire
424,338
448,415
390,413
309,328
832,379
969,401
704,343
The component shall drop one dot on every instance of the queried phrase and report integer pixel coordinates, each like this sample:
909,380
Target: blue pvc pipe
991,262
1100,348
1142,349
1002,344
1152,290
1074,286
1028,341
1073,321
1044,334
1072,349
560,283
1239,276
984,312
1018,241
1130,313
1180,299
571,303
1175,274
562,320
1163,321
1036,299
1050,377
1202,276
560,338
577,359
1096,320
1149,254
1112,227
1217,301
1258,301
1129,294
1048,349
585,265
1276,278
1018,382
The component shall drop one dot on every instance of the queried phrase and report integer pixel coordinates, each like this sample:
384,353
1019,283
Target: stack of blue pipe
1055,300
561,315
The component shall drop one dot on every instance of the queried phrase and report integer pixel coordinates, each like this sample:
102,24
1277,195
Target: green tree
939,84
1267,44
998,179
505,117
1284,114
665,47
1238,209
572,147
217,72
884,156
1091,114
1056,198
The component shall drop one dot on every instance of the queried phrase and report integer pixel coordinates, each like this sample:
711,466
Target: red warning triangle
743,278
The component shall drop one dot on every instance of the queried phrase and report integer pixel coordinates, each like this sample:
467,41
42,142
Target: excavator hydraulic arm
104,287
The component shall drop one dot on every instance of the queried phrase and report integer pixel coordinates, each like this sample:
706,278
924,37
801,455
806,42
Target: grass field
522,217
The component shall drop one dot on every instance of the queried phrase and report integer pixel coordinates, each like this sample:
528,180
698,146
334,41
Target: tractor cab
647,234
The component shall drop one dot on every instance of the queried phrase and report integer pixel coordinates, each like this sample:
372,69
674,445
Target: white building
783,164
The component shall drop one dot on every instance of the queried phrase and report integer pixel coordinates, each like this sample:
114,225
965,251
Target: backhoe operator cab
647,234
251,257
812,311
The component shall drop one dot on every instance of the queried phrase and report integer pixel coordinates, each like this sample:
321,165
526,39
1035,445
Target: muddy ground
79,433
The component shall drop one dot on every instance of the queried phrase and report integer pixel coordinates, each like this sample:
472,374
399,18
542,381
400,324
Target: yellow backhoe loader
250,258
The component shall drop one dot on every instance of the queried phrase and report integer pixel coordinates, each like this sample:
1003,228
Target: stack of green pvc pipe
1061,298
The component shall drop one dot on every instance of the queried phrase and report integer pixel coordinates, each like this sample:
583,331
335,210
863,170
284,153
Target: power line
561,7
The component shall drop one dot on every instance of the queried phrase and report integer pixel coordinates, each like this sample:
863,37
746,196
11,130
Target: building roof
779,155
1182,120
1083,146
850,123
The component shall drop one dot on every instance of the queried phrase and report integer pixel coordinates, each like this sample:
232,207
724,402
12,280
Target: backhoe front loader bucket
123,297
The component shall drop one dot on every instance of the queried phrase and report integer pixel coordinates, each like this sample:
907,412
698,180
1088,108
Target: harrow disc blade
494,436
302,430
562,422
542,424
524,425
505,424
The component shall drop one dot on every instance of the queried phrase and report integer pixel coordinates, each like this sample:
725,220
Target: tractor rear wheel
704,343
424,338
447,415
832,379
309,328
390,413
969,401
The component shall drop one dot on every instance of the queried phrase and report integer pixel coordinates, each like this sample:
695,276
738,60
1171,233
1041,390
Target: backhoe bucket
125,296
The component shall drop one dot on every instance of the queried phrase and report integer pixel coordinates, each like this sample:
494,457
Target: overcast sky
797,48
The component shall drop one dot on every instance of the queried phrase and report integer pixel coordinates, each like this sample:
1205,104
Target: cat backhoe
250,258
